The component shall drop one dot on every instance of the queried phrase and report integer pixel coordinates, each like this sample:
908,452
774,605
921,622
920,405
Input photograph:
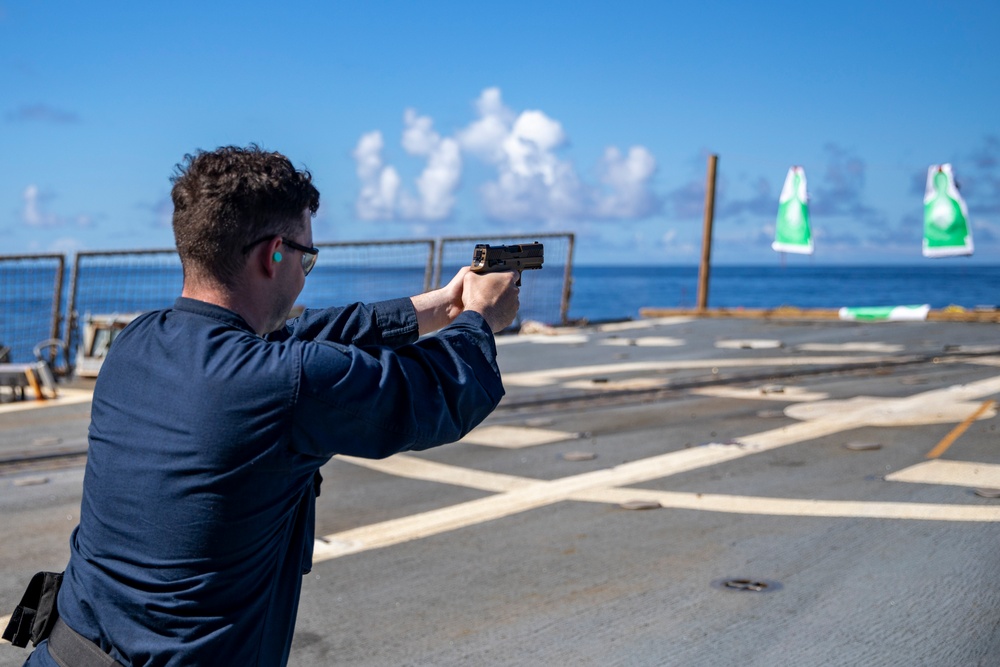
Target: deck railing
122,283
31,292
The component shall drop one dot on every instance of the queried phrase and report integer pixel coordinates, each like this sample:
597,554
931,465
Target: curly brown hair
229,197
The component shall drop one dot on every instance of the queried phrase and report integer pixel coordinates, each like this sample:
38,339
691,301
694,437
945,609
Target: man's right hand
492,295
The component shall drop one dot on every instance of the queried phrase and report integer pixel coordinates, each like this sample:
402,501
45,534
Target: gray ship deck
667,491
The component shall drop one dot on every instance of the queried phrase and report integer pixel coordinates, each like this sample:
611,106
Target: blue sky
427,119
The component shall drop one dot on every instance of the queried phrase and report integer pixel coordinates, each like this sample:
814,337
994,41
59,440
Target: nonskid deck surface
660,492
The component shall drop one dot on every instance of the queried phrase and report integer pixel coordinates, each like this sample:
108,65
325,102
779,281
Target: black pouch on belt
36,615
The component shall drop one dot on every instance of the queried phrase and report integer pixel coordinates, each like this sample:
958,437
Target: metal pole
706,242
71,319
56,317
567,290
440,258
57,300
429,267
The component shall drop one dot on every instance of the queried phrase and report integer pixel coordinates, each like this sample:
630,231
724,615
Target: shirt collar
205,309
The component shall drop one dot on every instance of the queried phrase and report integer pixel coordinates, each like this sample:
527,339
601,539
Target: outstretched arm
494,296
436,309
391,323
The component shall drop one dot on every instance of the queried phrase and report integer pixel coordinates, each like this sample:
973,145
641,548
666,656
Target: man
211,419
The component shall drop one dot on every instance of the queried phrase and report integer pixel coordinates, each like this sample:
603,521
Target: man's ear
269,256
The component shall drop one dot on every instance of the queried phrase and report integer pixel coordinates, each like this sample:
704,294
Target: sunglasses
309,255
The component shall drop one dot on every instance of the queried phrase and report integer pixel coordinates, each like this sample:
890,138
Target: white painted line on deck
628,384
534,495
643,324
873,348
644,341
795,507
791,434
556,337
64,396
978,361
523,494
555,375
938,406
403,465
789,394
515,437
954,473
749,344
976,349
544,339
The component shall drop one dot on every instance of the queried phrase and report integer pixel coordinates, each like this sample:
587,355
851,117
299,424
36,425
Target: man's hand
495,296
492,295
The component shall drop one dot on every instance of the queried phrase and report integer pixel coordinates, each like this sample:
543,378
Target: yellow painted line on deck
954,473
949,439
4,620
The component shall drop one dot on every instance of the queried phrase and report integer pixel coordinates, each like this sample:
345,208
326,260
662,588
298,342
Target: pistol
517,257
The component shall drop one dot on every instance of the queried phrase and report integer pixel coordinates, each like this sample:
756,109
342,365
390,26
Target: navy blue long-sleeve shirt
197,519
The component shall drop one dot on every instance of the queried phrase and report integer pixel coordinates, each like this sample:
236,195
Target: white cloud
436,185
382,197
532,181
528,148
34,214
31,214
419,137
379,183
627,180
440,178
484,138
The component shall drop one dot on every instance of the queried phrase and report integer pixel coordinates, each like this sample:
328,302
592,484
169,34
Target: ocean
598,294
601,293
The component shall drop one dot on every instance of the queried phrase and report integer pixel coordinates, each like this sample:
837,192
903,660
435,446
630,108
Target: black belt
37,619
71,649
